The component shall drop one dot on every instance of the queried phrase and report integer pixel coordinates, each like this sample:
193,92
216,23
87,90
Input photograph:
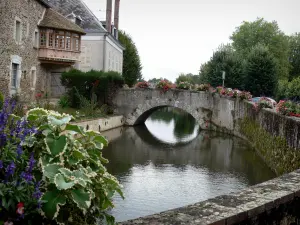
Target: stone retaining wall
272,202
102,124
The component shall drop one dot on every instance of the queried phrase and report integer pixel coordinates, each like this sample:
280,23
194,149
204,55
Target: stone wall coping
231,208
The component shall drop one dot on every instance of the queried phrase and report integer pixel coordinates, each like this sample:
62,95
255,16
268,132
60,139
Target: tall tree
260,71
224,59
132,67
294,55
249,34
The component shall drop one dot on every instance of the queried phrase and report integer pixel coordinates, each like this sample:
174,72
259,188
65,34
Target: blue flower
1,164
19,151
37,194
10,169
27,176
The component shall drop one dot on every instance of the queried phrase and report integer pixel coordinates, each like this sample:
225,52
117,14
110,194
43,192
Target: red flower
38,95
20,208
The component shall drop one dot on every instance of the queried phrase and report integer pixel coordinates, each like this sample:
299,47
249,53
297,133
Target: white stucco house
100,48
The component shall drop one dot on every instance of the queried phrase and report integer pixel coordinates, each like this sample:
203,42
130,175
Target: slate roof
43,3
89,21
55,20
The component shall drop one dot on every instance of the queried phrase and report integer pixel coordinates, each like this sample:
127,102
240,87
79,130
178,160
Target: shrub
76,183
245,95
165,85
288,108
1,100
143,84
19,181
184,85
64,101
203,87
101,83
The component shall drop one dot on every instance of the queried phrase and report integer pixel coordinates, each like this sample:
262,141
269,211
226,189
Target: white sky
174,36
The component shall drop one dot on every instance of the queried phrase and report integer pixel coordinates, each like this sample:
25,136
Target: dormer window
43,38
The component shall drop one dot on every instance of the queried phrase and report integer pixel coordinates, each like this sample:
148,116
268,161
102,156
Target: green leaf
81,175
56,146
81,198
61,183
58,122
51,170
53,200
75,157
75,128
66,172
101,139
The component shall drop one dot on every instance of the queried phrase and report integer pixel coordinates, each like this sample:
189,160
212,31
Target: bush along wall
275,137
103,84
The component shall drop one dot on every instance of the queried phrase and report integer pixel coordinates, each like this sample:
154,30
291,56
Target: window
18,31
60,39
33,78
76,42
68,40
14,74
51,38
43,38
36,39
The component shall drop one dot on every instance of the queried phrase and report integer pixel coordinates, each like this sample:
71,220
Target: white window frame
17,19
36,38
16,60
33,78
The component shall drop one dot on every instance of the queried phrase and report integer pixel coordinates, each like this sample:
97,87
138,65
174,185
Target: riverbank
102,124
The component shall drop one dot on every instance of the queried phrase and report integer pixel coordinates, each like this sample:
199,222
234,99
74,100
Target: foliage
64,101
260,72
224,59
142,84
184,85
294,55
76,182
203,87
289,90
88,83
267,34
132,67
288,108
19,181
165,85
1,100
274,149
190,78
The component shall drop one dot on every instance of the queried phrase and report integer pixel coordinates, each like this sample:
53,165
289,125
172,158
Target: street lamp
223,76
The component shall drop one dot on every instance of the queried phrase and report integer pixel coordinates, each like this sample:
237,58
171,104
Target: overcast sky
174,36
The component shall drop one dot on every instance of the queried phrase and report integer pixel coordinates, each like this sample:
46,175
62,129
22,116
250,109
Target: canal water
169,162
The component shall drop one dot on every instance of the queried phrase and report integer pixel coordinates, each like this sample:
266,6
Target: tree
294,55
224,59
260,72
193,79
132,67
249,34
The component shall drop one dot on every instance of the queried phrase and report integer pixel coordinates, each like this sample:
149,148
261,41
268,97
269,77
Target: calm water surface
169,163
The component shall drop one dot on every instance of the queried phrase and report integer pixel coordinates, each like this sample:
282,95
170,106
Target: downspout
104,52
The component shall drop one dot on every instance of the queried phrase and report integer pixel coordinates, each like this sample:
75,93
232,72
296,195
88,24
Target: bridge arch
137,104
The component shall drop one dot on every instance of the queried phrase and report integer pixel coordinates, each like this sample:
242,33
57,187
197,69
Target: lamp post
223,76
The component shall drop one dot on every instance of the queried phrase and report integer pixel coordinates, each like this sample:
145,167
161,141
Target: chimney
116,18
108,15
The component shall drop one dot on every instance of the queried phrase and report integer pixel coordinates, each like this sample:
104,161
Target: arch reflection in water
161,168
172,125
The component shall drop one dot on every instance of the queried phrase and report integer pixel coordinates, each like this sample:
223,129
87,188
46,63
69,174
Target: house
100,48
36,45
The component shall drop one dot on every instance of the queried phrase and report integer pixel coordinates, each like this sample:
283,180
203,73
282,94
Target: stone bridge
137,104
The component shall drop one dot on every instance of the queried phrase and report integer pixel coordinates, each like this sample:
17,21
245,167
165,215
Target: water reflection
172,125
161,168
